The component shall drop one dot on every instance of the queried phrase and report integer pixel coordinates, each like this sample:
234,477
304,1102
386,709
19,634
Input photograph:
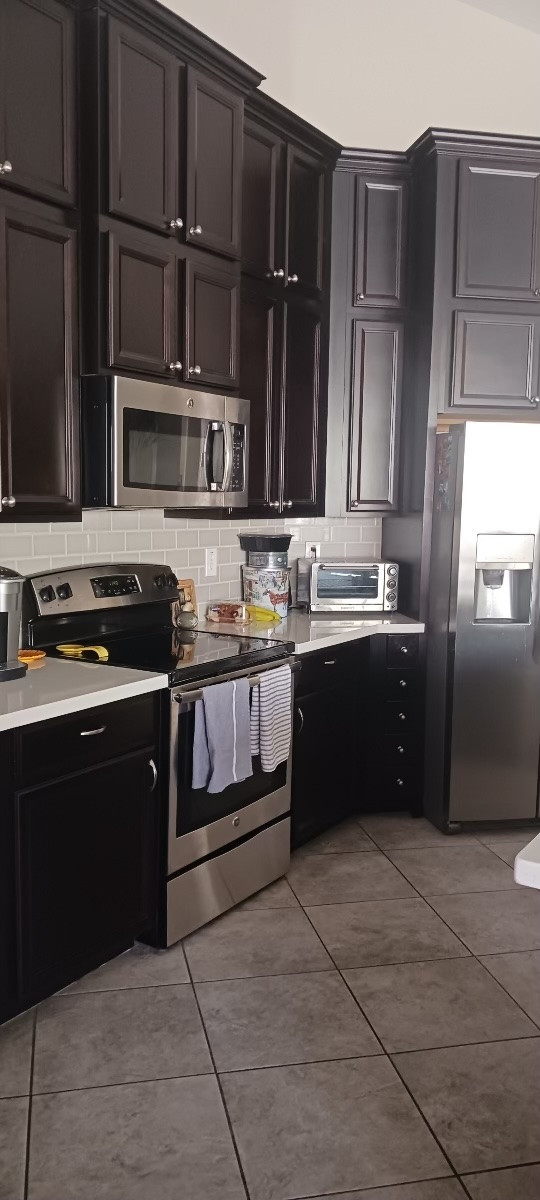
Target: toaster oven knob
391,571
390,596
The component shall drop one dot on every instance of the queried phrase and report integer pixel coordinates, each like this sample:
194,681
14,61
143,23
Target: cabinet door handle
6,167
273,503
287,503
176,223
404,649
279,274
301,715
153,769
403,683
195,230
399,782
8,501
537,291
175,366
329,662
400,750
402,716
292,278
195,370
93,732
534,399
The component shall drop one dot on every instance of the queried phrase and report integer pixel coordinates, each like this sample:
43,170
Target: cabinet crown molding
376,162
463,141
286,123
179,36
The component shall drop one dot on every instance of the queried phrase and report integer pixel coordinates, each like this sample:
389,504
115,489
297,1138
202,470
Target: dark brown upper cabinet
282,375
302,437
39,417
260,320
213,297
37,99
375,389
172,312
305,214
144,158
142,297
496,361
262,203
214,165
498,234
380,241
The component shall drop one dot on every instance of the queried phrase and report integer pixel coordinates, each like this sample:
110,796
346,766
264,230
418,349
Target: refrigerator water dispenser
503,577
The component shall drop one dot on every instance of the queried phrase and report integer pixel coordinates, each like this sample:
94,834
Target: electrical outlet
313,549
210,565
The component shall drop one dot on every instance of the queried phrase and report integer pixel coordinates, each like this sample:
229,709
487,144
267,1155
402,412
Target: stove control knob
159,581
63,591
46,594
172,580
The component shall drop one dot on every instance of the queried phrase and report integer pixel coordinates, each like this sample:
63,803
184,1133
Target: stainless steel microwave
347,585
157,445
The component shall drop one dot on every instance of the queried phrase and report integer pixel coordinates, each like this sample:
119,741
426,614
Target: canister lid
269,542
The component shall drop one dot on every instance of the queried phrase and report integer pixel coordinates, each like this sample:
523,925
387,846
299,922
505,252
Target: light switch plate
210,566
313,549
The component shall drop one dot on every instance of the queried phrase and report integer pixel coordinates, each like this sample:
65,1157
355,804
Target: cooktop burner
184,654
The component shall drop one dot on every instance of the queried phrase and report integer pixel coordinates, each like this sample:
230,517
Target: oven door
201,822
347,587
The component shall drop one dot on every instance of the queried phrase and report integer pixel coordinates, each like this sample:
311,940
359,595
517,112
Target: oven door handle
192,695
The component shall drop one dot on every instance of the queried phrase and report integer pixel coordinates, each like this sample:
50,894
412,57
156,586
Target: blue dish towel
221,740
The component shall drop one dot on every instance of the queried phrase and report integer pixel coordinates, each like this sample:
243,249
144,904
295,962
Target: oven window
347,583
197,808
165,452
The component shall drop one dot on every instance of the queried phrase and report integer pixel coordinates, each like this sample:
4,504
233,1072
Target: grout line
100,1087
30,1098
216,1075
509,994
527,1037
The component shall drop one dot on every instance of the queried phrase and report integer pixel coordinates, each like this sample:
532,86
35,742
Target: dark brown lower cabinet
39,404
375,404
84,868
281,347
171,311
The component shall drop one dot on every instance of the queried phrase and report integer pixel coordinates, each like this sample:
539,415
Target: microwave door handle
228,456
207,459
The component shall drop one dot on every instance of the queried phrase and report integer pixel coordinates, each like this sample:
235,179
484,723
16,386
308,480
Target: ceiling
519,12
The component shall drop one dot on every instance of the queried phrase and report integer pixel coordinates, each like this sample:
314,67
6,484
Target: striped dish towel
270,725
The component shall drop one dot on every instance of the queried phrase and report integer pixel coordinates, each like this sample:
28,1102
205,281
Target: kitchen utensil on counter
11,585
74,650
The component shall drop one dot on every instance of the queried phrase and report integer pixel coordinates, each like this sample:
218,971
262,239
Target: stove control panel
115,585
97,586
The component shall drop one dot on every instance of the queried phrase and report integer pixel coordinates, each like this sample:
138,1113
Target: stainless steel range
216,848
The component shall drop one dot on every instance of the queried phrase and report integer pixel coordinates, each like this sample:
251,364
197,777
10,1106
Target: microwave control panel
237,474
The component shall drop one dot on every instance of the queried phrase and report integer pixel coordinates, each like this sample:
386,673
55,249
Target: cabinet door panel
305,219
212,324
323,784
380,242
259,315
377,352
84,855
37,97
143,128
142,303
38,365
300,439
214,158
498,238
261,201
496,360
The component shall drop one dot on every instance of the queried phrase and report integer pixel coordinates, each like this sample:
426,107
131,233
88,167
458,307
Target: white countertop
319,631
527,864
56,687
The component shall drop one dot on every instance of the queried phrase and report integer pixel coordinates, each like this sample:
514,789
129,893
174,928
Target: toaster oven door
347,587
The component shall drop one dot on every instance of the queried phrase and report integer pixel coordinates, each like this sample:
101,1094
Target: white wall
376,73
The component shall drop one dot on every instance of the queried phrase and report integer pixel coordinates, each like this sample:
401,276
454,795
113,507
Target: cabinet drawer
402,650
55,748
401,685
331,668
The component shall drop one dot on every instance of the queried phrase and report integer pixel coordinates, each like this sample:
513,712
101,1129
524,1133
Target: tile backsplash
104,535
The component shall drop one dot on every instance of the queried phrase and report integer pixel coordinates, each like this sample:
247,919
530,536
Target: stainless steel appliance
11,586
483,645
157,445
346,585
218,848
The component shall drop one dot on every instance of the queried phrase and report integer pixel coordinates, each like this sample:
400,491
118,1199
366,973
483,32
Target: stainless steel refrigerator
483,637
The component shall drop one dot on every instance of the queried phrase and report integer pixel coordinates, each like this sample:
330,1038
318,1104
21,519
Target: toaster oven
347,585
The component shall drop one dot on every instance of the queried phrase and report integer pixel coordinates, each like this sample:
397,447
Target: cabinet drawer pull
399,782
403,683
404,649
329,662
401,750
93,732
6,167
402,717
153,769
